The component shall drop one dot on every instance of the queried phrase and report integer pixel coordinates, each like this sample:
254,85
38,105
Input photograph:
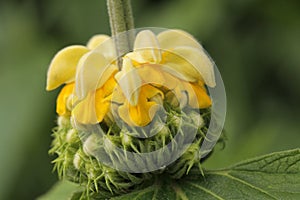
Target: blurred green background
256,45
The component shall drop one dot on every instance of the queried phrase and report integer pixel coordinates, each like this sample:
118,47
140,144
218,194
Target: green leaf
63,190
273,176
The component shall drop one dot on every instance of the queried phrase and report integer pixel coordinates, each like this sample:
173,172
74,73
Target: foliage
273,176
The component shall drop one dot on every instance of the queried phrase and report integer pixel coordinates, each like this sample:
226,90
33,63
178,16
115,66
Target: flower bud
63,121
126,139
175,120
197,119
71,135
161,129
90,145
77,161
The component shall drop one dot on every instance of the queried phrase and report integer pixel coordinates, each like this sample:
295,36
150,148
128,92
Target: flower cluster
171,67
166,73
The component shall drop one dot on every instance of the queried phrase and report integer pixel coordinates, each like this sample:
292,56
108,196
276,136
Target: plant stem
121,20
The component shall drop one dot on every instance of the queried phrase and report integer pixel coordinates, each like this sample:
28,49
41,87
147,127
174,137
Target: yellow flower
62,70
96,104
173,60
177,52
95,83
138,108
64,67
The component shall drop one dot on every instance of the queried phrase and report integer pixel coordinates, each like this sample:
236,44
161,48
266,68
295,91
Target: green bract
75,160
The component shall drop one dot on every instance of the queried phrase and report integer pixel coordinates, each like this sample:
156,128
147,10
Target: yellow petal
146,45
139,115
96,40
191,64
171,39
202,63
61,102
85,112
148,91
179,67
93,71
129,81
118,96
107,49
198,97
62,68
93,108
136,58
142,113
170,81
102,104
109,86
153,74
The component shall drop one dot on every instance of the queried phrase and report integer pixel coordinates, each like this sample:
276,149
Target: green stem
121,20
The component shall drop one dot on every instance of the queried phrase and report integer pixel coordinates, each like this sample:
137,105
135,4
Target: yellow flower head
173,61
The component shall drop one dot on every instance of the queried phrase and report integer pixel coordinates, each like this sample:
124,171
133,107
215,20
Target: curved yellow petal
197,95
170,81
142,113
96,40
61,101
148,91
118,96
151,74
129,81
139,115
202,63
93,108
102,104
171,39
136,58
179,67
85,111
93,71
147,46
62,68
192,64
110,85
107,49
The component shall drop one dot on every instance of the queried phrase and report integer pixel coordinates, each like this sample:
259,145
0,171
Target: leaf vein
155,193
139,193
246,183
205,190
179,192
